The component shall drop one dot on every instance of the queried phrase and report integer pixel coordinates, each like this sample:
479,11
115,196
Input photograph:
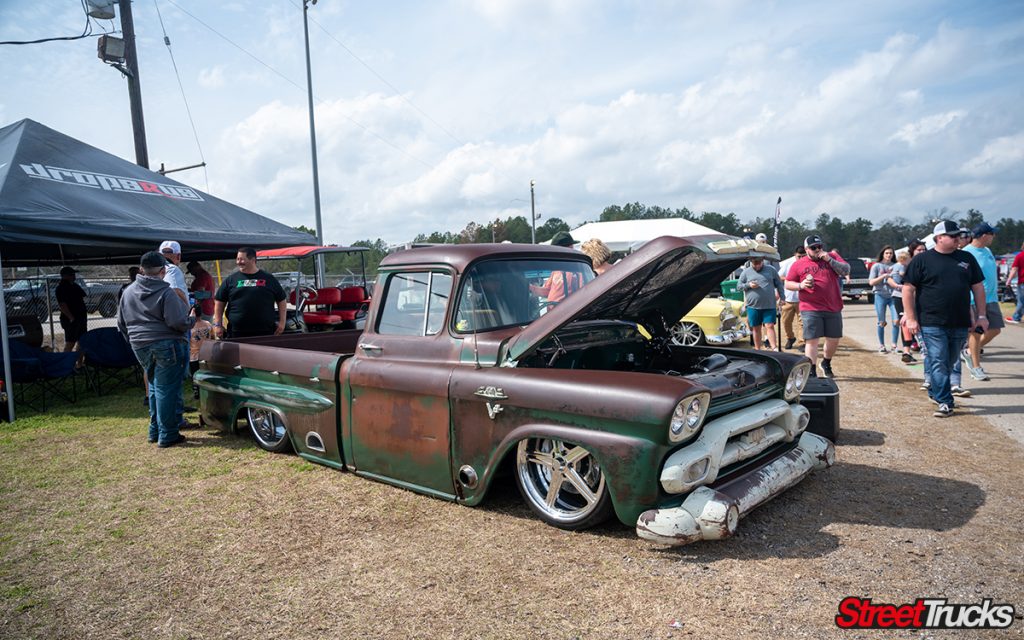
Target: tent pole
7,352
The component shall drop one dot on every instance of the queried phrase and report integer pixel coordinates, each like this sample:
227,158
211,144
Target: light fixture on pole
533,216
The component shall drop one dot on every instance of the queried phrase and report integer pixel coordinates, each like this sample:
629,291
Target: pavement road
1000,400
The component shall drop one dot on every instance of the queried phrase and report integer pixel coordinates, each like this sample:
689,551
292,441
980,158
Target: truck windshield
503,293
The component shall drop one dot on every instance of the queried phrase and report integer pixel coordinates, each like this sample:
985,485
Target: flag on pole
778,219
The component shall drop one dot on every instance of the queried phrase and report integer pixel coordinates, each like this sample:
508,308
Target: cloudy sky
433,114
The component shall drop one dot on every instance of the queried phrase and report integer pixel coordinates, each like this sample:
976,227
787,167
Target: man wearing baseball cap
816,277
937,290
71,300
984,234
171,251
154,319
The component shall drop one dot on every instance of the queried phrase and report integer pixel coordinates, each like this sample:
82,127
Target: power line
86,32
302,88
195,134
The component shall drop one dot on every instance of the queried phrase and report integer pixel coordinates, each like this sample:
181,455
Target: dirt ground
104,536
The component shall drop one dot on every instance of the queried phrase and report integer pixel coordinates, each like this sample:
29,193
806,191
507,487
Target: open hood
655,286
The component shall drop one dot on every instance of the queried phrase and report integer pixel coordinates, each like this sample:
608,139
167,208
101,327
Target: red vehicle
317,304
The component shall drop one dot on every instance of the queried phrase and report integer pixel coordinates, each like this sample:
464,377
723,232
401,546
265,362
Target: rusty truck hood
654,286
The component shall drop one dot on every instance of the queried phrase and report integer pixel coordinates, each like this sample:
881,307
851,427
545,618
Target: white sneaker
882,349
925,385
943,411
978,373
965,355
960,392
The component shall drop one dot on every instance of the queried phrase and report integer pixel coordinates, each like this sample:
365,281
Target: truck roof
461,255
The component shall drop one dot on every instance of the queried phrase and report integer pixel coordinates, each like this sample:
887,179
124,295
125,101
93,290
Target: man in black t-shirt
249,295
71,300
937,291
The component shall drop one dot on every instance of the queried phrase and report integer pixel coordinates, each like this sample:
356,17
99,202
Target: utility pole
312,125
131,61
533,216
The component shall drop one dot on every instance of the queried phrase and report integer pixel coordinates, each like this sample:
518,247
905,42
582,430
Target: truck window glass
408,310
503,293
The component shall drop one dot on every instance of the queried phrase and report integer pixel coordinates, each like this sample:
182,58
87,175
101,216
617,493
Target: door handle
371,348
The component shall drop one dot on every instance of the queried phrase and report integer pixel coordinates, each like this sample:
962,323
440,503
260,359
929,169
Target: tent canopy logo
109,182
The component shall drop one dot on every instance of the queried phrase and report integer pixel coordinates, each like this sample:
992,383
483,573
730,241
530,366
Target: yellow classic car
714,321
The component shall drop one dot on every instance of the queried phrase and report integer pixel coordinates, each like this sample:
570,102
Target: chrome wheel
562,483
686,334
269,430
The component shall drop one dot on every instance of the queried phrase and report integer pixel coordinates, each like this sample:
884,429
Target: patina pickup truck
461,371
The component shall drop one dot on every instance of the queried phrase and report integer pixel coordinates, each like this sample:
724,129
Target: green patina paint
287,397
318,460
426,472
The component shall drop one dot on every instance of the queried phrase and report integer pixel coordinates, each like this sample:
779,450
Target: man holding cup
817,277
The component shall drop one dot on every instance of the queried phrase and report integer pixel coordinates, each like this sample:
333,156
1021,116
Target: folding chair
49,375
109,359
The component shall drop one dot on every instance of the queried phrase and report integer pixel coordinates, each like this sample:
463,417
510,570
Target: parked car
716,321
857,284
27,297
444,388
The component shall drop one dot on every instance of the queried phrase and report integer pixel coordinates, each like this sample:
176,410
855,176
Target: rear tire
269,431
107,307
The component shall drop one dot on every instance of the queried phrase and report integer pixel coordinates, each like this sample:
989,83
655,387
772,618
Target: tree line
856,238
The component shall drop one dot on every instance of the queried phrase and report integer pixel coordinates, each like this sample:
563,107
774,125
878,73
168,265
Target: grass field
103,535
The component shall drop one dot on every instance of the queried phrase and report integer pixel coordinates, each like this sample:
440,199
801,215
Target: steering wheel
303,294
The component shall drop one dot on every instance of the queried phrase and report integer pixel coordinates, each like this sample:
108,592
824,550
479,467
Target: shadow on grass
792,526
861,438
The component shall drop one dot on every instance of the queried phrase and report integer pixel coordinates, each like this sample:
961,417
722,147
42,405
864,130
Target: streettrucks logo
924,613
109,183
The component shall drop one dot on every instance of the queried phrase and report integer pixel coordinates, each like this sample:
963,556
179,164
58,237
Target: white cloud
212,77
998,155
927,126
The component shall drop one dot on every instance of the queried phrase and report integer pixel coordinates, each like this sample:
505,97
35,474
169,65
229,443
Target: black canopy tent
65,202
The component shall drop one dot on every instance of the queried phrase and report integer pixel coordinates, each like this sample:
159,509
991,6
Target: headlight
724,314
688,417
797,380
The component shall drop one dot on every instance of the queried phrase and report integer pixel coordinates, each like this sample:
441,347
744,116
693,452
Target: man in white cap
171,251
937,290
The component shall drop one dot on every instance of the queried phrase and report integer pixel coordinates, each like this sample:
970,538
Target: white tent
630,235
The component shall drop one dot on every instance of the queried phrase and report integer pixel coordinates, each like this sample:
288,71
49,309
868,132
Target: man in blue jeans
937,290
154,319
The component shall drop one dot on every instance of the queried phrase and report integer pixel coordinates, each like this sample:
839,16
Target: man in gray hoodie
154,319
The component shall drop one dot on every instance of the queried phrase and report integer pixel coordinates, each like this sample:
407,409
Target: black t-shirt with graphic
251,302
943,282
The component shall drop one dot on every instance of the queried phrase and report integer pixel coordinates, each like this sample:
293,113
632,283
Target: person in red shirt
818,279
1017,269
202,281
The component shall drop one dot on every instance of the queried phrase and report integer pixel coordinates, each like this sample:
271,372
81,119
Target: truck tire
269,431
562,483
107,307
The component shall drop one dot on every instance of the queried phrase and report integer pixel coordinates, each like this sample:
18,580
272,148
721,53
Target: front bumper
713,514
729,336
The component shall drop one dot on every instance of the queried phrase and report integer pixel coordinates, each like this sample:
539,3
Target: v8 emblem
493,410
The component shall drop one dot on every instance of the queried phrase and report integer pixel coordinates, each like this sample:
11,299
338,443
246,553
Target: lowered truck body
464,368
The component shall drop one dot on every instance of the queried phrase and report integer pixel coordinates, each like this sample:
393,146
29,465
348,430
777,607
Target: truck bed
340,342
